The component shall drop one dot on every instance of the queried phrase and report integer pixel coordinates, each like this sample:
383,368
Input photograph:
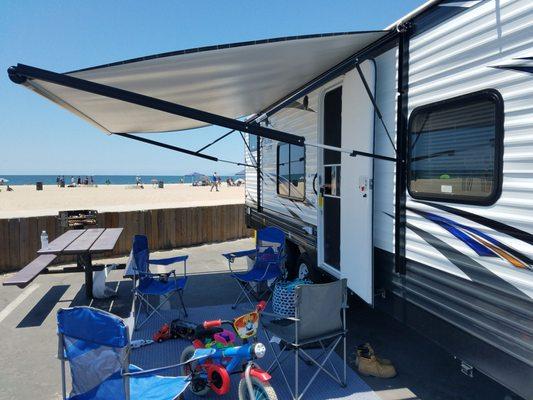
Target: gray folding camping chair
320,319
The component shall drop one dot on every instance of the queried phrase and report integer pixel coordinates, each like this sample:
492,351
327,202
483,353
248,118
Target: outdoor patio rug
168,353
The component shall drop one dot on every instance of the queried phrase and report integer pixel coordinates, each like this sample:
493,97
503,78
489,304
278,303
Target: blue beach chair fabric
96,346
269,256
146,283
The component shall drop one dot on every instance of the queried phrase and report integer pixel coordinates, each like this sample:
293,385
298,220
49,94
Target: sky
38,137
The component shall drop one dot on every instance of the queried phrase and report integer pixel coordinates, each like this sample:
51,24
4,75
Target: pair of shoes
369,364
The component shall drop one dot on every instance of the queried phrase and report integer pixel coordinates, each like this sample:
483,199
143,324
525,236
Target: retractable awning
230,81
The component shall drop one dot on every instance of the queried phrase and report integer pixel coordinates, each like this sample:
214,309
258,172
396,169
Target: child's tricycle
214,373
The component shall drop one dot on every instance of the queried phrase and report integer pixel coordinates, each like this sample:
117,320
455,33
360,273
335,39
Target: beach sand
26,201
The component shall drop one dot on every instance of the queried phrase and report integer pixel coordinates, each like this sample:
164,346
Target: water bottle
44,239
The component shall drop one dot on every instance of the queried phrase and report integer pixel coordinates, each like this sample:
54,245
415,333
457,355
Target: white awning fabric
234,80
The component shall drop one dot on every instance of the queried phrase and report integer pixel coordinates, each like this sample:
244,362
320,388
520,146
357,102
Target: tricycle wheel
262,390
198,385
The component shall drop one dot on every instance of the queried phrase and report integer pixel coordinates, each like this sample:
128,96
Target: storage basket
283,297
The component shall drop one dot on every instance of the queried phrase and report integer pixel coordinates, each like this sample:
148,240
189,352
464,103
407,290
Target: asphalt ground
28,347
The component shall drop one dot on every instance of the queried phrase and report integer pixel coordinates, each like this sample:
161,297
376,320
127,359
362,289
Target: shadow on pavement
44,306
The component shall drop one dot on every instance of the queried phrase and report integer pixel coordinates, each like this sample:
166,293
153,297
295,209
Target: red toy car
164,333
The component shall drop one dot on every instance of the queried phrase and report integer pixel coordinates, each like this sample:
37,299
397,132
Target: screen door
331,173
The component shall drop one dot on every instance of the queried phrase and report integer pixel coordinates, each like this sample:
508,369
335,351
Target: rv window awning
232,81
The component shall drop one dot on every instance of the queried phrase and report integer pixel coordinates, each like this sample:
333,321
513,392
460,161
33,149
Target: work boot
370,350
368,364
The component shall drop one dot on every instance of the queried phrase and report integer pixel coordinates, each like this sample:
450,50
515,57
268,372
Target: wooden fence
165,228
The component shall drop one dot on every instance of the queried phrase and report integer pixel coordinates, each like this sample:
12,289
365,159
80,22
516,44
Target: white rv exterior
465,266
400,159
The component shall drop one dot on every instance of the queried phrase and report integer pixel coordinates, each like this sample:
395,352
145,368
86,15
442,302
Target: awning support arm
351,153
167,146
215,141
375,104
180,149
21,72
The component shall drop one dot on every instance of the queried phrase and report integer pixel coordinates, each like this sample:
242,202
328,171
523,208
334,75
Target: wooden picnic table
84,243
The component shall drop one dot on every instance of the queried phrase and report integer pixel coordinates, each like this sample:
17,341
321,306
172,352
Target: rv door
356,246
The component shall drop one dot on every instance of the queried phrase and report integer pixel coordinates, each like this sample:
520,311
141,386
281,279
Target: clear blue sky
37,137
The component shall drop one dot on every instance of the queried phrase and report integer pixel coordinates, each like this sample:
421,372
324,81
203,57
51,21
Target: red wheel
219,379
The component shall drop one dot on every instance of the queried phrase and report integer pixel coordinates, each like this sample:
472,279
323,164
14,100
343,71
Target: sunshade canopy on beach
232,81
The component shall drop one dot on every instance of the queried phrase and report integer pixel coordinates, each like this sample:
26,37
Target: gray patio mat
167,353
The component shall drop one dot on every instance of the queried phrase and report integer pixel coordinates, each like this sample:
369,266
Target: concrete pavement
28,347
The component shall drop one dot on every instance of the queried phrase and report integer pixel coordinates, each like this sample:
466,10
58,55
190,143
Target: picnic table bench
81,242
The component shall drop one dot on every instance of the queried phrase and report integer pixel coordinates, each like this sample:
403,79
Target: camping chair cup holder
147,284
96,346
268,263
319,321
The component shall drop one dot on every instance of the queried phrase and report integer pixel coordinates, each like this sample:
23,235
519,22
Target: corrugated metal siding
298,122
485,296
250,158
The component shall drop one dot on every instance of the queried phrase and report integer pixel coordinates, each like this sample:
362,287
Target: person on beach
57,180
214,182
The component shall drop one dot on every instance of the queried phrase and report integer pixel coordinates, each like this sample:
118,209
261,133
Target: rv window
455,149
291,171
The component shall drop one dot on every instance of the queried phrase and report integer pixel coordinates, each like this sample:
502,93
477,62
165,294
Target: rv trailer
434,225
401,159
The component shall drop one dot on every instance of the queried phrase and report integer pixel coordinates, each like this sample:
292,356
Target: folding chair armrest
152,274
151,371
277,316
168,261
237,254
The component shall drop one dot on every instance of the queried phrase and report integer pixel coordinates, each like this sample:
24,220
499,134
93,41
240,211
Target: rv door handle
314,183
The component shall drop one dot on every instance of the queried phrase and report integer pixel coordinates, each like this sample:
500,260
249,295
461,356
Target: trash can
161,184
39,185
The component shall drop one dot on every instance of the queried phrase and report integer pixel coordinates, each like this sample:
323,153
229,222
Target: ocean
101,179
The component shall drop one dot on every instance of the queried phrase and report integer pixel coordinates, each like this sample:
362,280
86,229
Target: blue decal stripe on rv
474,270
489,223
483,244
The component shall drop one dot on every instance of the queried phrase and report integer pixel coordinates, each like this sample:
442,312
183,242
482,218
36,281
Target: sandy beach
26,201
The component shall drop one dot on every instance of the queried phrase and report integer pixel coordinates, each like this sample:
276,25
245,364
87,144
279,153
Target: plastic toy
213,373
135,344
178,329
164,334
183,329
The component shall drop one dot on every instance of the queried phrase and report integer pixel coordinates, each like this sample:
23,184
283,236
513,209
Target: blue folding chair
269,256
96,346
146,283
